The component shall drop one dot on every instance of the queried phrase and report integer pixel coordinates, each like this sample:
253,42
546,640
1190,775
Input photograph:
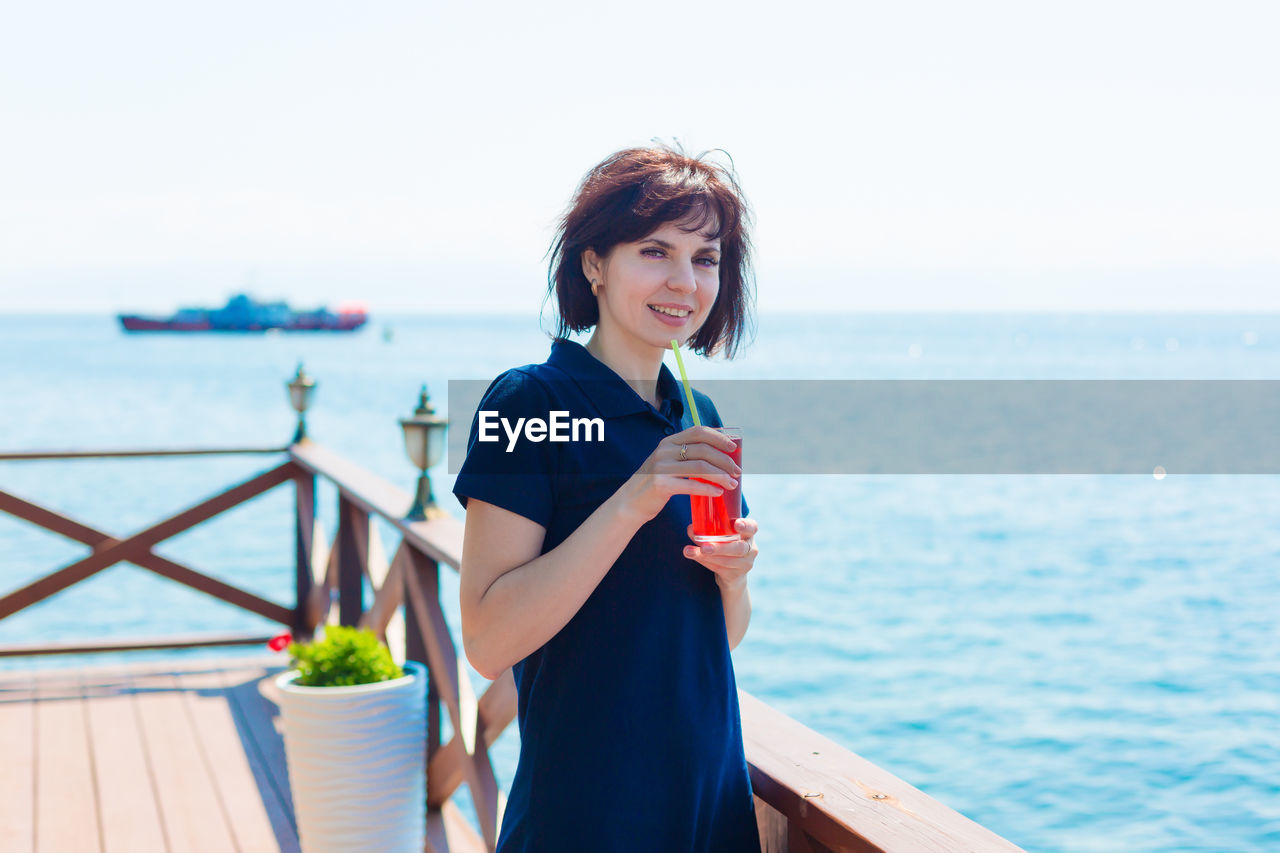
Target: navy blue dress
630,735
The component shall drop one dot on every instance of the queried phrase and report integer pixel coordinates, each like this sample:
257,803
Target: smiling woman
663,206
578,569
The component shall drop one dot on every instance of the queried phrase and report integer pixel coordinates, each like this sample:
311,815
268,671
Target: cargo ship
242,313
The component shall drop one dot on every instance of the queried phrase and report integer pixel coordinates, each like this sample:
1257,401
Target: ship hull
133,323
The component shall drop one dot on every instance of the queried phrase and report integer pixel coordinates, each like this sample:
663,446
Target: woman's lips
669,319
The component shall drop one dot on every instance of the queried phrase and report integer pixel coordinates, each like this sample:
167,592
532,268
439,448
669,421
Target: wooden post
433,726
456,694
353,550
304,540
416,649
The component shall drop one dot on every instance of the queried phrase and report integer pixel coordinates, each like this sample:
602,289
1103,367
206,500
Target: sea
1079,663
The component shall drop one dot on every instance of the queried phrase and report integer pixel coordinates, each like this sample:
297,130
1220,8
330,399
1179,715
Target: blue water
1078,663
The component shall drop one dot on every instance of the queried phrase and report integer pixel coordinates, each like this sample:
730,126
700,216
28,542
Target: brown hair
634,193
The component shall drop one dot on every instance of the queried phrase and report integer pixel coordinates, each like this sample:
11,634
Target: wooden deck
177,756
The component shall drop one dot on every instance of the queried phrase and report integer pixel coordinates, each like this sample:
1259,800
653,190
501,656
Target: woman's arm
737,609
513,600
730,561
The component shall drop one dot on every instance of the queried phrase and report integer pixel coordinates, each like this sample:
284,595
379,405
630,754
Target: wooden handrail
174,571
35,455
138,547
840,800
439,539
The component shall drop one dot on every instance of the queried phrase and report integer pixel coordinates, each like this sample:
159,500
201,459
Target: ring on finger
684,452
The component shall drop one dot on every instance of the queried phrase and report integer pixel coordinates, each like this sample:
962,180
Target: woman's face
658,288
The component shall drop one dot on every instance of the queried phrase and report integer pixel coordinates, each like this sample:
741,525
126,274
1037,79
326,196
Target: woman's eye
709,262
652,253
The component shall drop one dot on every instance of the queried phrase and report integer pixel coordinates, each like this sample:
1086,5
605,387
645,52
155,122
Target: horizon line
807,312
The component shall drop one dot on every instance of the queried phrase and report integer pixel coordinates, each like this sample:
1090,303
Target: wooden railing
138,549
811,794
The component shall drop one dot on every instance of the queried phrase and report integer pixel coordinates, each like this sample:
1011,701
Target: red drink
713,518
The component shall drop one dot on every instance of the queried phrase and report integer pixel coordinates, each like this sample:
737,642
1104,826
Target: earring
595,288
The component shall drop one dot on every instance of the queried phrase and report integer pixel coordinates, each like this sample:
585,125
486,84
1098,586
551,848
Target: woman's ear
592,266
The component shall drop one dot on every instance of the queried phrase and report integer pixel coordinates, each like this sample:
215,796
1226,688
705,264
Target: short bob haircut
634,193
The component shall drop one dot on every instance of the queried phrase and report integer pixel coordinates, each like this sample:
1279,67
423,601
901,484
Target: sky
935,156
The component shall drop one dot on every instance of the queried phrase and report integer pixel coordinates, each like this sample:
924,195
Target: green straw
688,392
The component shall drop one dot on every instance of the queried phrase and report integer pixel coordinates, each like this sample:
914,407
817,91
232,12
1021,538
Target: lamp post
424,442
300,390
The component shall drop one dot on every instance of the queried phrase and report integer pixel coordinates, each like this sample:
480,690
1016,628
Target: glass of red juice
713,517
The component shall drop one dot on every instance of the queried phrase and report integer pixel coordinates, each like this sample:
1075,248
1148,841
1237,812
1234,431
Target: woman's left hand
729,560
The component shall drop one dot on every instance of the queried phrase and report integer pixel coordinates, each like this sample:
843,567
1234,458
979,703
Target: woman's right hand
665,473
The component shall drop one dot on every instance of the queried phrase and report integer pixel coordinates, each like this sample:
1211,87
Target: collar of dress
607,390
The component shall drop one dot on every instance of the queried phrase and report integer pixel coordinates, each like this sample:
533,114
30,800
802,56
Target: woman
577,567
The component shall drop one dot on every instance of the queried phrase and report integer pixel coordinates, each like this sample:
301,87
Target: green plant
342,657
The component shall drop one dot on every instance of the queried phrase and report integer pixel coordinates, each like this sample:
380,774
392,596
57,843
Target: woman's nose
682,280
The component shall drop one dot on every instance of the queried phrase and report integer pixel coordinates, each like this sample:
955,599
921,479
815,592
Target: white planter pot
356,763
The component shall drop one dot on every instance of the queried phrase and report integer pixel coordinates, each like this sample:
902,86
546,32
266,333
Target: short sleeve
516,476
709,416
